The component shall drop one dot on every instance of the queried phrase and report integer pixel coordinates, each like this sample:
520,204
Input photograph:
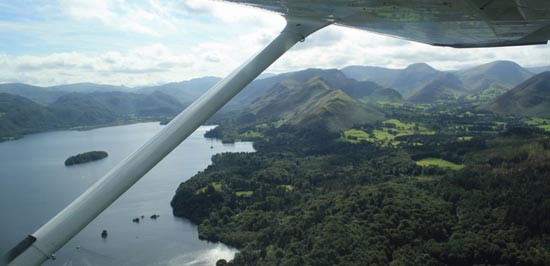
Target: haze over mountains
499,76
411,80
340,98
19,115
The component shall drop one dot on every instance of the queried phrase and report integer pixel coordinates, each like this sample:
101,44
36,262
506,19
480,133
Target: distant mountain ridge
484,82
19,115
351,89
185,91
107,107
34,93
505,74
405,81
497,77
538,70
446,86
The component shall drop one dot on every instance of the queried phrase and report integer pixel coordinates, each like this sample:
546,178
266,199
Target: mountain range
499,75
185,91
485,82
337,97
19,115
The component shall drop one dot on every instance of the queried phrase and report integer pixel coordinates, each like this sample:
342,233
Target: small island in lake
86,157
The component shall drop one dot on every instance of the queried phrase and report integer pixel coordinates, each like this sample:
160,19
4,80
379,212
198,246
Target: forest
439,184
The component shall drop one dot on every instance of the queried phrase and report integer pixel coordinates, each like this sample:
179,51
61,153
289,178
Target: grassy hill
530,98
332,77
445,86
412,77
499,74
316,102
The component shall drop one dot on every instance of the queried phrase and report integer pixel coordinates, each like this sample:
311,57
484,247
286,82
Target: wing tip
489,45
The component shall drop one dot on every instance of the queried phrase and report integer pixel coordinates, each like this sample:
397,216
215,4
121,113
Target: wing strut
65,225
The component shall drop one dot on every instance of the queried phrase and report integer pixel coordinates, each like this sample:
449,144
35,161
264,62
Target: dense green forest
431,184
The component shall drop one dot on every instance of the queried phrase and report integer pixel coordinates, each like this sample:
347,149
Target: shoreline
147,231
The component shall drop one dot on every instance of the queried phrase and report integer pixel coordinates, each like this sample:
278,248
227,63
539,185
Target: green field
439,163
386,133
261,126
216,185
535,121
279,123
288,187
538,122
251,135
356,136
390,103
244,193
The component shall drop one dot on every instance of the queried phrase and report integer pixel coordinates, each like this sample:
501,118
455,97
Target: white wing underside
455,23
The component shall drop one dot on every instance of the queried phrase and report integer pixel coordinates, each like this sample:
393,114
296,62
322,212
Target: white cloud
145,65
122,15
152,41
357,47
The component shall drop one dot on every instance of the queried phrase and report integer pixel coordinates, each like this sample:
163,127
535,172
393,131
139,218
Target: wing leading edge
455,23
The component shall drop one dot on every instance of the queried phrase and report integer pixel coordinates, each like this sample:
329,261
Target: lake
35,185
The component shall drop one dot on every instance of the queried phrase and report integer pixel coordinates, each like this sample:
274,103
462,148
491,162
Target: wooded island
86,157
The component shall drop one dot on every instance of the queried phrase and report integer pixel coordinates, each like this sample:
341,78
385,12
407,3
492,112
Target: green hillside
500,74
313,103
19,116
332,77
444,87
530,98
413,76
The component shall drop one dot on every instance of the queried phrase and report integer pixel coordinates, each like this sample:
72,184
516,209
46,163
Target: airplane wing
455,23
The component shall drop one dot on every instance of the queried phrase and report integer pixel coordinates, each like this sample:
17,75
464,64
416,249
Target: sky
150,42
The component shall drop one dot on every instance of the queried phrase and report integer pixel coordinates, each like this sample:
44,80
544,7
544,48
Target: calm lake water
35,185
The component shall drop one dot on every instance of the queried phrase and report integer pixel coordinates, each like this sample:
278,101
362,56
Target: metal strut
65,225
